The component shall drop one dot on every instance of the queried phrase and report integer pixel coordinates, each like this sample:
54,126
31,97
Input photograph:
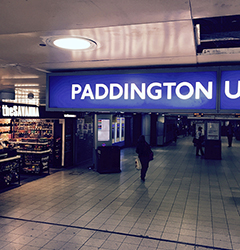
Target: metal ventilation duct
7,94
217,35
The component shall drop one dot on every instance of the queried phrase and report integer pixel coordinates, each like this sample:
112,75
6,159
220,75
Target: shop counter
10,170
34,161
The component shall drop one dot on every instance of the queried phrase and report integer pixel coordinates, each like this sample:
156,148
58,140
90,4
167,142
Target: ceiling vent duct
217,35
7,94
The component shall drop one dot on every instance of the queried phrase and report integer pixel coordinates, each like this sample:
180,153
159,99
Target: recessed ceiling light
71,43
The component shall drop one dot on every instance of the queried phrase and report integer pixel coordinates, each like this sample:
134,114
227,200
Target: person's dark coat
143,150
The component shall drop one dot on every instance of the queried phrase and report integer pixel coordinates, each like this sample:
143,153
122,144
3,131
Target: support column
146,126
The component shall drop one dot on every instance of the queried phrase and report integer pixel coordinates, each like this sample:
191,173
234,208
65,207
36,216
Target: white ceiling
127,33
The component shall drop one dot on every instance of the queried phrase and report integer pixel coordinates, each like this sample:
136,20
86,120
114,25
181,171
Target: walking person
230,134
143,150
199,142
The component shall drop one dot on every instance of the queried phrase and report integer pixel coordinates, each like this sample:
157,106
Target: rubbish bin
108,159
213,149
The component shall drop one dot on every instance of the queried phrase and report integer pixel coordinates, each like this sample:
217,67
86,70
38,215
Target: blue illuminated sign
151,91
230,90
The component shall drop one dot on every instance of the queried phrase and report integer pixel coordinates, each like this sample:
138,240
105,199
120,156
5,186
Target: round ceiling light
72,43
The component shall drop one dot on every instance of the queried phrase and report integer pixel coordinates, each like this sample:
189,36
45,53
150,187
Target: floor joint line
112,232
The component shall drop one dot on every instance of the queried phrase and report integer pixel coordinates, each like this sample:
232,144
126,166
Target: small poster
103,130
212,131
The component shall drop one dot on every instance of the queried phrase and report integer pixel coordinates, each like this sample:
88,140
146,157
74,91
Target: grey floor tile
128,246
27,247
3,243
185,247
12,246
94,242
54,244
149,243
167,246
187,239
71,246
38,242
112,245
10,237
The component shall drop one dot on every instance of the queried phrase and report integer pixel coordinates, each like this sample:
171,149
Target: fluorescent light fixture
71,43
26,85
20,77
70,116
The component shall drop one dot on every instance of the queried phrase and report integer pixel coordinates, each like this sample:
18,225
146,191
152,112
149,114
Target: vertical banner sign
230,90
151,91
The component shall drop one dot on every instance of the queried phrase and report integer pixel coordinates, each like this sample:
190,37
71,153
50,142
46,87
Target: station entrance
127,103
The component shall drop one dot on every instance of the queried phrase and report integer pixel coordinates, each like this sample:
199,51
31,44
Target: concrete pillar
146,126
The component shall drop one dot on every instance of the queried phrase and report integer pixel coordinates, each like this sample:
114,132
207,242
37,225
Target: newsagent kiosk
26,141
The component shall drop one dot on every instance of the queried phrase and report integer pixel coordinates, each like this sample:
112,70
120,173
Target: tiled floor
186,202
